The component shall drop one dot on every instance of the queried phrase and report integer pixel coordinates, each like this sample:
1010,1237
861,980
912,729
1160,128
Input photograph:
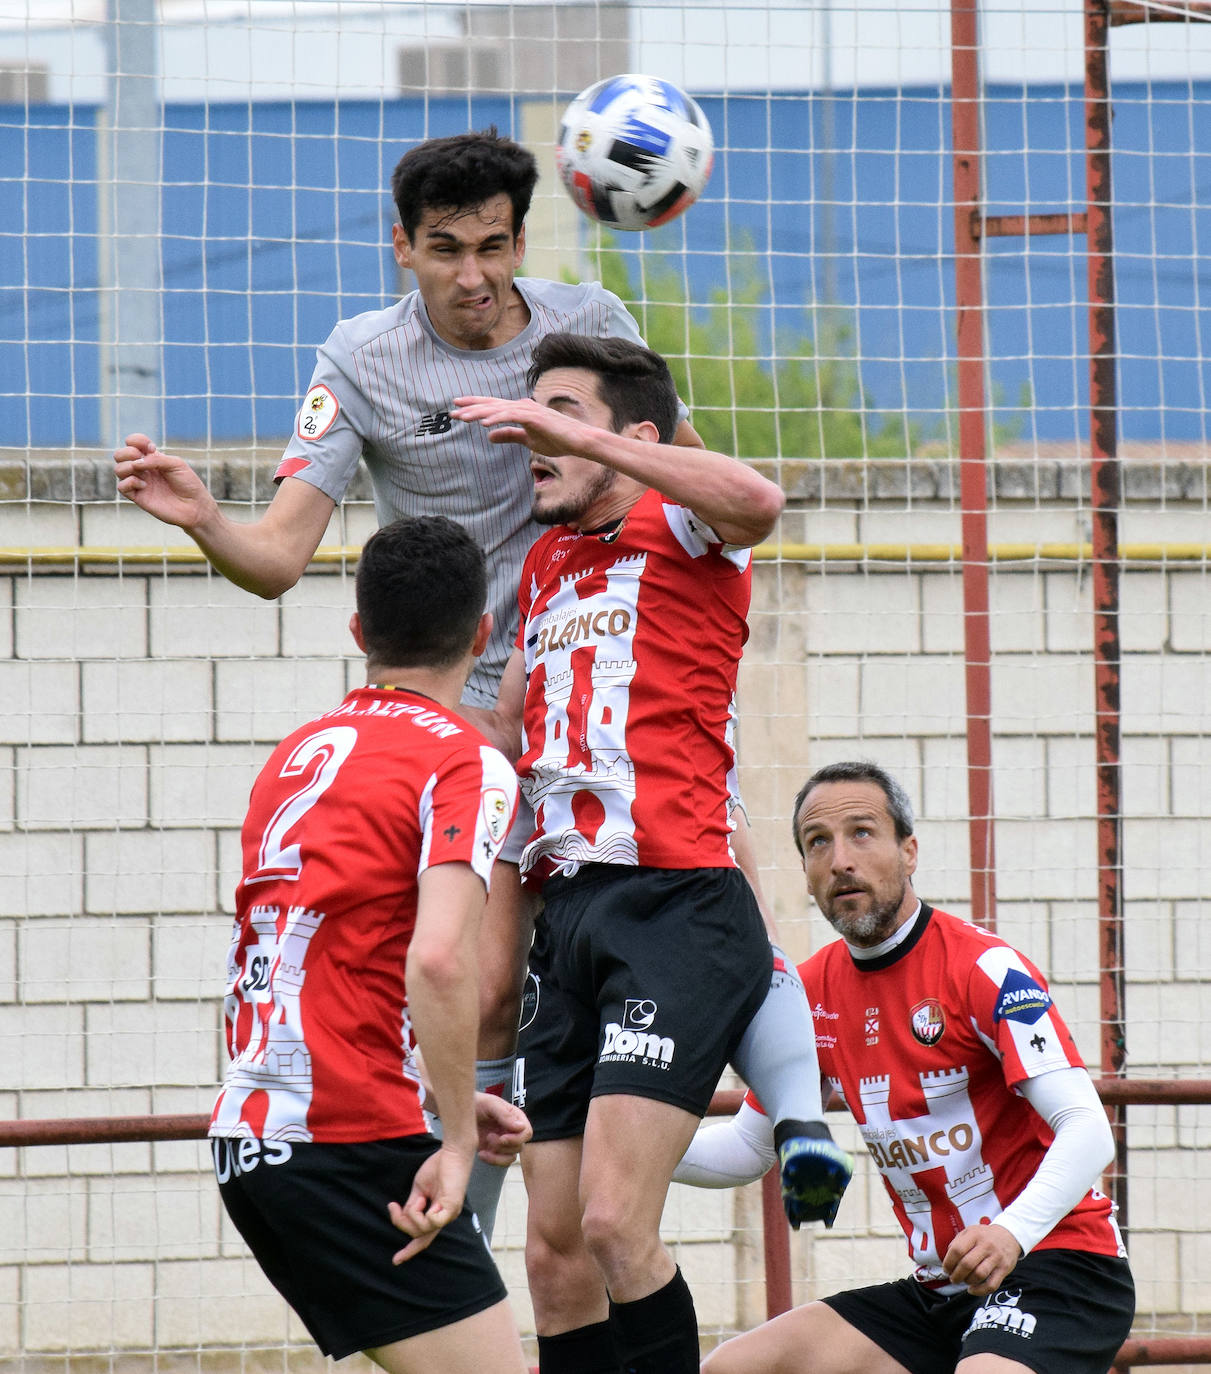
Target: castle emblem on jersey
317,413
928,1021
496,813
1020,999
437,422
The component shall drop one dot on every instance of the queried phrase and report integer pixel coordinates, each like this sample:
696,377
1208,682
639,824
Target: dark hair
421,586
899,808
634,382
462,171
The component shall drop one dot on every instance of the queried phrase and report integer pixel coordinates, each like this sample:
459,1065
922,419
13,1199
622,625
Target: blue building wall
276,222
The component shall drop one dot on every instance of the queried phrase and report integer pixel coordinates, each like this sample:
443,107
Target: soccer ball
634,151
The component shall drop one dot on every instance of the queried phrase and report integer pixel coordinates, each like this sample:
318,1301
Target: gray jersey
382,391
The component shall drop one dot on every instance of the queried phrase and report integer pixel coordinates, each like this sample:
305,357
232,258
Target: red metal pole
776,1238
973,486
1106,491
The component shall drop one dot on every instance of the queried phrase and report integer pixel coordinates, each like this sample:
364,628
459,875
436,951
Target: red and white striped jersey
343,819
632,640
926,1044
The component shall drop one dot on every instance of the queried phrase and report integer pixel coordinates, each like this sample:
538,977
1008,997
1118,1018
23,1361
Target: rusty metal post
776,1239
1105,496
973,482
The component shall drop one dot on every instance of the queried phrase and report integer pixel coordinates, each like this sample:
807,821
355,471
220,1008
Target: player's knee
614,1238
499,1009
558,1277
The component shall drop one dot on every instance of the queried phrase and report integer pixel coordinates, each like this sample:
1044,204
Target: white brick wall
137,709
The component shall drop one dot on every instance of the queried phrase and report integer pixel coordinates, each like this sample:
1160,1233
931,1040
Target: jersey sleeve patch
1020,999
317,414
498,812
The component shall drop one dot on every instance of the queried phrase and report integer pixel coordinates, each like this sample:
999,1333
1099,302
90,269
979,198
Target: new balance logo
438,422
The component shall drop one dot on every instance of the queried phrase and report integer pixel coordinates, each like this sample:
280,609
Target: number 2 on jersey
332,747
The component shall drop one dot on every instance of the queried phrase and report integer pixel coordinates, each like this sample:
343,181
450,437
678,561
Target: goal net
195,191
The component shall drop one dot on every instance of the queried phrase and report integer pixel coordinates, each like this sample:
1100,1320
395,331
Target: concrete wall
139,698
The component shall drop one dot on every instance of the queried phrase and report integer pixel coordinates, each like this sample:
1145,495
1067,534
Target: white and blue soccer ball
634,151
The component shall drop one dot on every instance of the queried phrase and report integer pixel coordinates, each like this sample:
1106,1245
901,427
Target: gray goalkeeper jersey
382,391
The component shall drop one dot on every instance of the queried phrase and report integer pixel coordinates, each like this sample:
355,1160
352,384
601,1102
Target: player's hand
982,1257
438,1190
503,1129
544,431
164,486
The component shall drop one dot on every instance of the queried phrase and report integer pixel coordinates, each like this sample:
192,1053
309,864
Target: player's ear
909,849
401,246
519,246
482,632
355,629
645,430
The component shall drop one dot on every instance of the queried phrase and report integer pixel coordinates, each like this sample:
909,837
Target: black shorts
642,981
315,1217
1058,1312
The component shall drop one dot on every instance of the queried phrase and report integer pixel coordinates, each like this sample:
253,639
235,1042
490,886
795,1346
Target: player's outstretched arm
265,556
739,504
443,999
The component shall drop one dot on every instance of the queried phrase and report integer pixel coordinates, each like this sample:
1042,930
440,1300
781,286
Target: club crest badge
928,1022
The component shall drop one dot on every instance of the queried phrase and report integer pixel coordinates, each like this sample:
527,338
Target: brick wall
140,698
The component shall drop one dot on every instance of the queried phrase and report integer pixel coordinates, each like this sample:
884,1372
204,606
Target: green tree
806,401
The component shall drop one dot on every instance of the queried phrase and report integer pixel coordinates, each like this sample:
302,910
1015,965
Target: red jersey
344,817
925,1044
632,640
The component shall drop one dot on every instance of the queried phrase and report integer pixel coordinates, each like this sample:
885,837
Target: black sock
658,1334
584,1350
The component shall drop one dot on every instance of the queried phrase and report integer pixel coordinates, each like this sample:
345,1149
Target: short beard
572,511
873,926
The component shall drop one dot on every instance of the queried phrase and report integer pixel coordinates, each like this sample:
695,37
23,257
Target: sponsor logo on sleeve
1020,999
317,414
